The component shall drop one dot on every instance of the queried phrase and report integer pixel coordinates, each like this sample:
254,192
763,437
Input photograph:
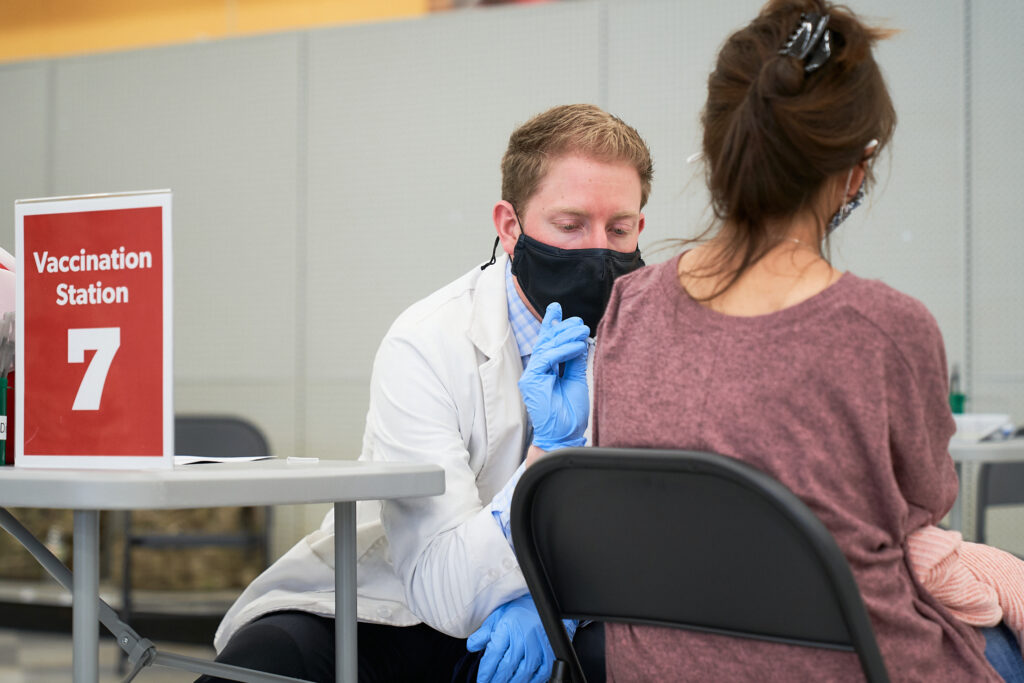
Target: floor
31,655
38,657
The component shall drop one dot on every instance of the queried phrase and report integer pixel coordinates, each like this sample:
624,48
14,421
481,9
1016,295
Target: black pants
301,645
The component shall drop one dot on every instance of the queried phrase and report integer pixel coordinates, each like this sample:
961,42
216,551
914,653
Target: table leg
85,624
345,646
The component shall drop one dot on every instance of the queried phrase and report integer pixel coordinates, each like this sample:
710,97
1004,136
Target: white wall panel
997,216
996,284
215,123
660,53
407,125
24,148
910,231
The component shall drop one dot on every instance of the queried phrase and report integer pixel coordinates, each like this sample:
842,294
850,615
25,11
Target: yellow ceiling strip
36,29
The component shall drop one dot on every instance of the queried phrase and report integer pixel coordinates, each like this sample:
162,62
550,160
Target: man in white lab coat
468,378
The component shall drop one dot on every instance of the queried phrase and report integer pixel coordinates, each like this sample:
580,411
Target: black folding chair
203,436
682,539
999,484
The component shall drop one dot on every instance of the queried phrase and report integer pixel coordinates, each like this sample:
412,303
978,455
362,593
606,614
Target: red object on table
9,444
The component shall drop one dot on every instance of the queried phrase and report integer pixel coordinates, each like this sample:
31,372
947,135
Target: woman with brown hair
752,345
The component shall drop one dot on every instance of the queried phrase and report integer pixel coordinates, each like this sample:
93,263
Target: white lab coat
444,391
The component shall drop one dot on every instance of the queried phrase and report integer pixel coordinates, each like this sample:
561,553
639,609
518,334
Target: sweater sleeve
936,557
920,421
1004,573
978,584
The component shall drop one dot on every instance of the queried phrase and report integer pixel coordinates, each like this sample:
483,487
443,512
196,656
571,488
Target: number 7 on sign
105,341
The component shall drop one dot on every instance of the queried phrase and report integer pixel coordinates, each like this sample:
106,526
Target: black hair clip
811,42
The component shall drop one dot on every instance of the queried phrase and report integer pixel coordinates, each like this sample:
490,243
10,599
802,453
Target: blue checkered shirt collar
525,325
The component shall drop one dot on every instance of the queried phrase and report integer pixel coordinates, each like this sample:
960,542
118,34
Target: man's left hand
517,648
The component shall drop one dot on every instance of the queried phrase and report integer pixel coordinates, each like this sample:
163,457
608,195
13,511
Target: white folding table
264,482
969,456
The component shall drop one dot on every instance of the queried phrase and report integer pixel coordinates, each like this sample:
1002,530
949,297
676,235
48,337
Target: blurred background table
980,464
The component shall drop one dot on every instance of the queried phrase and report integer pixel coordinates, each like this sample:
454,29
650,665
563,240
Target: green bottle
956,396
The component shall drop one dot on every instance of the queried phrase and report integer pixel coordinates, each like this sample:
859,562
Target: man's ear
641,223
507,225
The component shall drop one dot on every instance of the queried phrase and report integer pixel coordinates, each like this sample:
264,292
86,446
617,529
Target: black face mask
579,279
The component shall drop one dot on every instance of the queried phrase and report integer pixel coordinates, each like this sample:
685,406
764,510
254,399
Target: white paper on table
974,427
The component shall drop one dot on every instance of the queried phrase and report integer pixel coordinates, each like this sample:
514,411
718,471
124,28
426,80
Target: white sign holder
94,375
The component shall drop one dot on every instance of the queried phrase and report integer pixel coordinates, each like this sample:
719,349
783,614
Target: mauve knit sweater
842,398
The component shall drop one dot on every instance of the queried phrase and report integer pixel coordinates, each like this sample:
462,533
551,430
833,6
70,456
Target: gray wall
325,179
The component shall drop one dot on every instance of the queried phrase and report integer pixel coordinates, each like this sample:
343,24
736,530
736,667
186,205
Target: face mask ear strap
522,226
497,240
494,251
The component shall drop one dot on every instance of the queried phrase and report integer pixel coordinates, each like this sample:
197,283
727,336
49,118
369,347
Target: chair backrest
218,436
682,539
998,484
202,436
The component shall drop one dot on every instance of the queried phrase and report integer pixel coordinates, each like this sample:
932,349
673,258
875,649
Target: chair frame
999,484
577,509
230,430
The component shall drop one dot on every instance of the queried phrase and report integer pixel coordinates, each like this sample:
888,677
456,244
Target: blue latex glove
559,406
517,649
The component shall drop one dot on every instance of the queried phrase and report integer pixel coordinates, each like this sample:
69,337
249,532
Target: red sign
94,338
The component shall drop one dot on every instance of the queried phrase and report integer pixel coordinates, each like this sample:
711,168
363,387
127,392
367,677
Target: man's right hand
559,406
